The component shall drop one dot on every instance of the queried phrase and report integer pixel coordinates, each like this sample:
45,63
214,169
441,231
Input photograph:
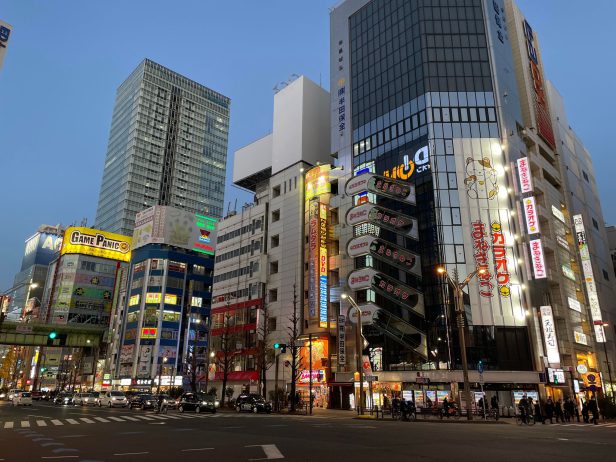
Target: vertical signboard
542,113
313,256
530,214
589,279
524,175
341,340
488,235
536,256
549,335
323,264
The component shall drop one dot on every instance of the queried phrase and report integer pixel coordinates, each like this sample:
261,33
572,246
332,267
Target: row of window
254,266
392,132
252,247
249,228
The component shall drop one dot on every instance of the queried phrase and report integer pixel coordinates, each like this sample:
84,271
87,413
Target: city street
46,432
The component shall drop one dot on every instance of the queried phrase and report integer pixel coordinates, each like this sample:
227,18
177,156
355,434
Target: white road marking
130,453
196,449
8,424
25,424
41,423
172,417
72,421
127,417
142,417
101,419
159,417
270,450
88,421
117,419
60,457
563,439
56,422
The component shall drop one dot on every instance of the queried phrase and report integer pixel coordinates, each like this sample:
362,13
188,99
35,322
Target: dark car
63,399
37,395
142,401
196,402
253,403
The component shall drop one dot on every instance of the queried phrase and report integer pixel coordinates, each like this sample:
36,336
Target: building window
595,223
276,191
275,241
273,267
271,324
273,295
605,275
585,175
275,216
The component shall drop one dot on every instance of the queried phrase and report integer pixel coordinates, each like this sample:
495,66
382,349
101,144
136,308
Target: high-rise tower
167,146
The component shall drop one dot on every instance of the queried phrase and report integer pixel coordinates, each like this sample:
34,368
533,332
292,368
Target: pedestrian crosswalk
49,422
587,425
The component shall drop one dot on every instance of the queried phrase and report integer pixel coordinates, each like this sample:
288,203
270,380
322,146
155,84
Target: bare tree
265,352
294,346
194,364
228,353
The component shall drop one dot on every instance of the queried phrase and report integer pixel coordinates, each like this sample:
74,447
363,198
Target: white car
113,398
22,398
12,393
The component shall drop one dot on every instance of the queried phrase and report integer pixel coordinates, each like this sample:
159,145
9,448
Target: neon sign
322,265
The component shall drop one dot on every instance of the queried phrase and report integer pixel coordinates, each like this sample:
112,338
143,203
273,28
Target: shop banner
342,340
549,335
530,214
524,175
536,256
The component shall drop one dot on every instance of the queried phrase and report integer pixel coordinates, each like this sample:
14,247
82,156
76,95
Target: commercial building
259,272
78,291
162,316
167,146
449,104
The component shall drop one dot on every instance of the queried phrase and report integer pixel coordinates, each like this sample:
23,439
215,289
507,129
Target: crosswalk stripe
142,417
159,417
41,423
117,419
25,424
56,422
8,424
72,421
101,419
89,421
172,417
127,417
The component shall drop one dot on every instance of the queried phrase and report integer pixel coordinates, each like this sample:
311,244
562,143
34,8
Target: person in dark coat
594,409
585,411
494,402
549,409
569,409
538,414
558,410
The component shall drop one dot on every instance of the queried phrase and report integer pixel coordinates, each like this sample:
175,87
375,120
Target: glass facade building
167,146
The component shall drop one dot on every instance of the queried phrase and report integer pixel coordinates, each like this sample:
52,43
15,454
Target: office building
167,146
450,103
162,316
259,276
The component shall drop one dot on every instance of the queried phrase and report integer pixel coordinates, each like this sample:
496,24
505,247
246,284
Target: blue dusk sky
66,58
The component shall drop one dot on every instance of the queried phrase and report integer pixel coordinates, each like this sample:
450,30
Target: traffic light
52,335
281,346
43,369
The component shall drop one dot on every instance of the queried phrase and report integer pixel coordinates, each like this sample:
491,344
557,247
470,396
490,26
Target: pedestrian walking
558,410
538,414
569,409
594,409
549,409
494,402
585,411
577,411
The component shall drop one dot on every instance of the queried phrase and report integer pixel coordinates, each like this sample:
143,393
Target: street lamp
160,373
358,346
458,288
607,360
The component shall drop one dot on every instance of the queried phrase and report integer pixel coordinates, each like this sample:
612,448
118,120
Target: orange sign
591,378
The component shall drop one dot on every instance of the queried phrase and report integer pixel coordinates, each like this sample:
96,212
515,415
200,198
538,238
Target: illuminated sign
171,299
368,311
568,272
537,258
558,214
133,300
542,114
383,217
313,256
495,267
341,340
149,332
341,106
196,301
153,297
398,292
323,299
556,376
562,242
524,175
580,337
318,376
530,213
589,279
549,335
317,181
87,241
361,279
574,304
591,379
383,186
385,251
404,171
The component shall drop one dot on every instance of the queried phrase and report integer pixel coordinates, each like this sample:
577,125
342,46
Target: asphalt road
44,432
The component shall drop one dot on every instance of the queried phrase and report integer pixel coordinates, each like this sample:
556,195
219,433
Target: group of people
561,411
